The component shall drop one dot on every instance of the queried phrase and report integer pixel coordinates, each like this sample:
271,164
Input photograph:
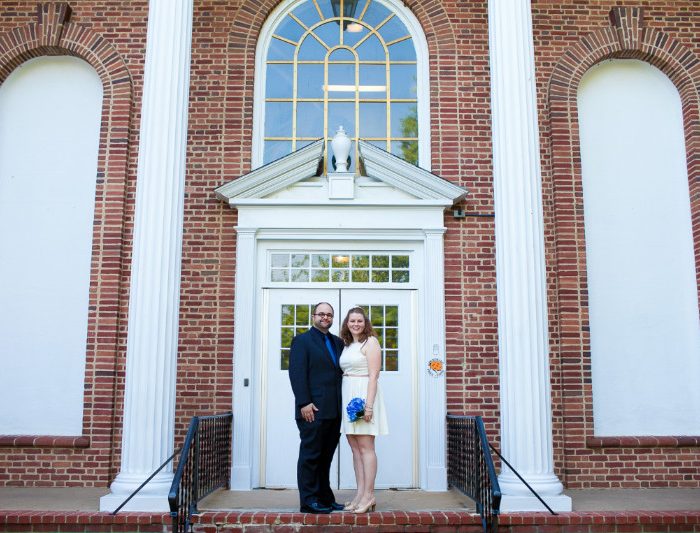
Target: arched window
360,64
50,117
642,292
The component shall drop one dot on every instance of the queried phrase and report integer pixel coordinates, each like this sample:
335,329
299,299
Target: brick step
424,521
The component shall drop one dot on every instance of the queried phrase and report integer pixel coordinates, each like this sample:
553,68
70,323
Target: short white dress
355,379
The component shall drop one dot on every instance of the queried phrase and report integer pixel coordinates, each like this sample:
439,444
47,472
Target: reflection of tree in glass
409,128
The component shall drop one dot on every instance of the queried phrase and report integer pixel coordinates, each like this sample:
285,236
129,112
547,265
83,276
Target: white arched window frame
422,76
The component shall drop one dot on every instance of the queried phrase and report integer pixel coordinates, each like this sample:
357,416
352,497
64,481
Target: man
316,381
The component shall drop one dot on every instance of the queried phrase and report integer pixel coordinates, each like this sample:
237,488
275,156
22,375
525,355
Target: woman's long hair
366,333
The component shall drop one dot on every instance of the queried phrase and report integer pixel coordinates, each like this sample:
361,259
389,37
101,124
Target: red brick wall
219,149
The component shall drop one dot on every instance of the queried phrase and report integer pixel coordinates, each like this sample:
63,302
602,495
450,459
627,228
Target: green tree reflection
409,128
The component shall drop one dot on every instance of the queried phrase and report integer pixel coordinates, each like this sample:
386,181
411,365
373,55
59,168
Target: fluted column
526,420
151,357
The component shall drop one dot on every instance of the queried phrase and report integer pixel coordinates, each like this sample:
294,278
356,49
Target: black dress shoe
315,508
335,506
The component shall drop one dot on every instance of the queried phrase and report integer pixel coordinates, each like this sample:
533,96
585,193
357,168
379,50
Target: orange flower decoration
436,367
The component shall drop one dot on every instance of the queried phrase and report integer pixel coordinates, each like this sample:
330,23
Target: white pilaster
149,403
433,346
526,425
242,475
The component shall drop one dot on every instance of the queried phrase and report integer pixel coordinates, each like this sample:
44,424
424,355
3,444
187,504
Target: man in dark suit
316,381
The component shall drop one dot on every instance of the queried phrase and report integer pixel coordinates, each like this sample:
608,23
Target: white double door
288,313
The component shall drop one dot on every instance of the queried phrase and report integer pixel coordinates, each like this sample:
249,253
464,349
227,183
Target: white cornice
274,176
407,177
423,188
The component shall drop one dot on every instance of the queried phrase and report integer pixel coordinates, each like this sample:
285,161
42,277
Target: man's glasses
324,315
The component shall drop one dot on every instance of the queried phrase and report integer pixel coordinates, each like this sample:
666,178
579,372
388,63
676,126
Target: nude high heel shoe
370,506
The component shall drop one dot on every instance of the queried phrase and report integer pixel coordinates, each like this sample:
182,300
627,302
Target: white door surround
284,205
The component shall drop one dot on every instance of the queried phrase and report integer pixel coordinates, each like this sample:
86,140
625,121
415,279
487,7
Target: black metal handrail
470,467
204,466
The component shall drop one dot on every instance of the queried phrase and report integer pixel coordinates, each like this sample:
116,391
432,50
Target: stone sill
643,442
44,441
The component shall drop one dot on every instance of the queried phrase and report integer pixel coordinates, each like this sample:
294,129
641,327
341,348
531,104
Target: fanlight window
341,62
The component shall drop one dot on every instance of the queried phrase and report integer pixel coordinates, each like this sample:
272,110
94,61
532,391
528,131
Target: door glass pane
385,321
295,319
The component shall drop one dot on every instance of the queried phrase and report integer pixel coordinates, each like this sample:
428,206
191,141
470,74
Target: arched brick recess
627,38
54,34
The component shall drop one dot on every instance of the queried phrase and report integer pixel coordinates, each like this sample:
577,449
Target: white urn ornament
341,149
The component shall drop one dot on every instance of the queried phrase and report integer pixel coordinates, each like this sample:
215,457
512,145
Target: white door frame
262,227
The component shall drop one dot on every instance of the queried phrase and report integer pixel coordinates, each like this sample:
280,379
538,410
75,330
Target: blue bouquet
355,409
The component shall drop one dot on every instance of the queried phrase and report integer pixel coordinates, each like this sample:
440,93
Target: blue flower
355,409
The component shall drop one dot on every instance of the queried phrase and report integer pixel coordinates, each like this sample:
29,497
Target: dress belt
355,375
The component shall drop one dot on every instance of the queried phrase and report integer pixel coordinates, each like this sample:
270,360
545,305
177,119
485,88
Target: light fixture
348,8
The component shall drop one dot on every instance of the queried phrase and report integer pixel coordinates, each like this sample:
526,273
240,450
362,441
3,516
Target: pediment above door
296,179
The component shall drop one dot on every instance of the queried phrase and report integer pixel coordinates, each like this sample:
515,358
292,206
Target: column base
518,503
152,497
157,504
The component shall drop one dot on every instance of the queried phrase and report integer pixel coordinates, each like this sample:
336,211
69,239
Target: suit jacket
314,377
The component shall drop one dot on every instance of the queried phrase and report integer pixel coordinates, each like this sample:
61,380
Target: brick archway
53,34
625,38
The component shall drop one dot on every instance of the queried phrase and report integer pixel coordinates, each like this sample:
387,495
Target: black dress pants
319,439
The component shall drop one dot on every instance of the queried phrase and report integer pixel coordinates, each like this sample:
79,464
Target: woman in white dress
361,362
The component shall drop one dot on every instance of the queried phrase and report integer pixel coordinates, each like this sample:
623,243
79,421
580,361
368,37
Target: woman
361,361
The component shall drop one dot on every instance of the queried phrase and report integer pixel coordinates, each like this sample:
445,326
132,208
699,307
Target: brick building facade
569,39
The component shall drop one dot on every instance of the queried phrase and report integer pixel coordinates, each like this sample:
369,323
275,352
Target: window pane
310,119
403,51
303,315
403,120
340,275
373,120
341,81
341,55
380,261
311,50
319,275
280,50
279,81
279,275
279,260
400,276
403,81
373,76
300,275
399,261
307,13
391,361
380,276
276,149
407,150
341,114
372,50
340,261
360,261
289,29
300,260
287,316
392,315
278,119
320,260
310,81
375,14
392,30
351,38
360,276
329,33
377,316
